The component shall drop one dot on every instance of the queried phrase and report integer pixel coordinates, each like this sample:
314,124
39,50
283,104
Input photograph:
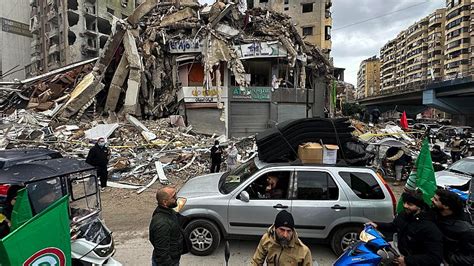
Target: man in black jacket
98,156
166,235
458,233
216,157
419,240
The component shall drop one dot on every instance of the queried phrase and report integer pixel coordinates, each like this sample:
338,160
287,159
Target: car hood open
446,178
201,186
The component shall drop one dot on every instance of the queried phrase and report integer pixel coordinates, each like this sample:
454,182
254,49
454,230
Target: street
135,249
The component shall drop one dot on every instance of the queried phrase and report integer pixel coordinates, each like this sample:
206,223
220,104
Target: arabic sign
15,27
260,49
201,95
251,93
185,46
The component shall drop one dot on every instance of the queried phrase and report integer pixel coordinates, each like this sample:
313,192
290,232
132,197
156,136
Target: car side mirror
244,196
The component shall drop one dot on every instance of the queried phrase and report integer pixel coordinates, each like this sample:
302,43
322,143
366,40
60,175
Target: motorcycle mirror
227,252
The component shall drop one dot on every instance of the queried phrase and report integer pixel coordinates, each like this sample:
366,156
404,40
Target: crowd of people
426,235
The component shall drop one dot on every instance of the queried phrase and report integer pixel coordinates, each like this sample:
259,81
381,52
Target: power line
379,16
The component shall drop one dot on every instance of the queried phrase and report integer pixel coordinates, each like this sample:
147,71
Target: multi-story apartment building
388,65
436,44
400,60
416,55
416,51
15,38
368,77
67,31
458,38
313,18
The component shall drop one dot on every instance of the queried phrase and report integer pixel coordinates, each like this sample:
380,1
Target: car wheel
204,237
343,238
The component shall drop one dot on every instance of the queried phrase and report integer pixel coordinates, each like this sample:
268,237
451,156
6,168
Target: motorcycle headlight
181,202
366,237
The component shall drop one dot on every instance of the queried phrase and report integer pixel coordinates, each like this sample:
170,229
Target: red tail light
4,190
392,196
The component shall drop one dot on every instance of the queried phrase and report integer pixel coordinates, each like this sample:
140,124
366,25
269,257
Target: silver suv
327,202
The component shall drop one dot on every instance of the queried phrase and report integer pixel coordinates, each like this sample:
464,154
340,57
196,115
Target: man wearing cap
419,240
98,156
280,245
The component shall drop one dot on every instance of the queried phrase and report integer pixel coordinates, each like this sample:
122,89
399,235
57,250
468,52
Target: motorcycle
371,249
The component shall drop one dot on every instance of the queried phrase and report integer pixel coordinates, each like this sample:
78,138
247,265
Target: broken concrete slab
147,134
227,31
101,131
116,85
183,14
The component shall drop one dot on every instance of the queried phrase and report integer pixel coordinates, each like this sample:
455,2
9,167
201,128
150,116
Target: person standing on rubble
216,157
232,153
165,232
98,156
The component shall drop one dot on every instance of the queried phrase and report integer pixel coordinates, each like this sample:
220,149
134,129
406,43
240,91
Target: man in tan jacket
280,245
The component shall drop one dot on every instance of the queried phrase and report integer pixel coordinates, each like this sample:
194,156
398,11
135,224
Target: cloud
352,44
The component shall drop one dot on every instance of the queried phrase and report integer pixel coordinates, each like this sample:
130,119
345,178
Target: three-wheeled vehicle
49,180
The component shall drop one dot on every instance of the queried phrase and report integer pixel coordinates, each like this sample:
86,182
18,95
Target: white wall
14,49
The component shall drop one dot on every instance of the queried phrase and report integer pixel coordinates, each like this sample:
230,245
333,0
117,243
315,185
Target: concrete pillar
319,88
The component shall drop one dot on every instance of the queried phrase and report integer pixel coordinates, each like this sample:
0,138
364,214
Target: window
44,193
307,31
307,8
327,32
273,185
364,185
110,11
286,8
287,2
263,1
312,185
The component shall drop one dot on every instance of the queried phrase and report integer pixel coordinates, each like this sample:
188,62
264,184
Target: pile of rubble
145,80
141,153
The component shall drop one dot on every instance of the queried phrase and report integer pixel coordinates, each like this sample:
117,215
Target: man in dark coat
457,232
438,156
166,235
419,240
216,157
98,156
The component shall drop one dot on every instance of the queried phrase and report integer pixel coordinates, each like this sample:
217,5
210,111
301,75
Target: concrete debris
101,131
154,37
182,153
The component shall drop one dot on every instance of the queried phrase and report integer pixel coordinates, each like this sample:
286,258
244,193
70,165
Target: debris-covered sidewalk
142,151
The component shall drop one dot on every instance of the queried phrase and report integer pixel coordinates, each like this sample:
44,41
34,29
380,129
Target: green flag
334,93
42,240
22,209
422,176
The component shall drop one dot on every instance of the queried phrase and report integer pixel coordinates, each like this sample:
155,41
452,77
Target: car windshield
465,166
231,180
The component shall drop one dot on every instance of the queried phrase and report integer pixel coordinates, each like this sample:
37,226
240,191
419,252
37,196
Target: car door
318,203
254,216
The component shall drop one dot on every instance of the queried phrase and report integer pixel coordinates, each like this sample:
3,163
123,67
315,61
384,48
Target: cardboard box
310,153
330,154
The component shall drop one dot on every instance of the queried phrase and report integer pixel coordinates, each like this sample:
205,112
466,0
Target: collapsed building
226,71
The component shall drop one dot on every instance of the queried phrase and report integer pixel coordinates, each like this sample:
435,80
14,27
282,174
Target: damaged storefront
228,72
